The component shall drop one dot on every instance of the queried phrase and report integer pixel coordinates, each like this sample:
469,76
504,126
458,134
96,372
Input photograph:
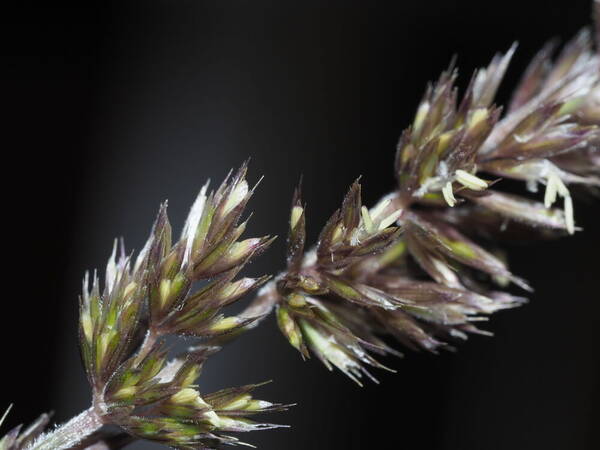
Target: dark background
109,110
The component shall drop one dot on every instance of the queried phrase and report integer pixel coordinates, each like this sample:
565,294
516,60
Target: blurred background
111,108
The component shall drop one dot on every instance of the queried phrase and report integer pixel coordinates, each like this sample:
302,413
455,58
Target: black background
108,110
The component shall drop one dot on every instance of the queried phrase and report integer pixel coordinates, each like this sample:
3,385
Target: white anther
470,181
448,194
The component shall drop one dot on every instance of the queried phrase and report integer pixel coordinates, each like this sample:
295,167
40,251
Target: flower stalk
71,433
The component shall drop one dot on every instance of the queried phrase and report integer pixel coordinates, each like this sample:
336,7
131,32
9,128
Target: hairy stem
71,433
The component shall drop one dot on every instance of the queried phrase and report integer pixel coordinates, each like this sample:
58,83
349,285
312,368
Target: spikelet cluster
413,266
179,289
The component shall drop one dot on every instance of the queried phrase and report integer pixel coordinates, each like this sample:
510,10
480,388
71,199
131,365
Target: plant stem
69,434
